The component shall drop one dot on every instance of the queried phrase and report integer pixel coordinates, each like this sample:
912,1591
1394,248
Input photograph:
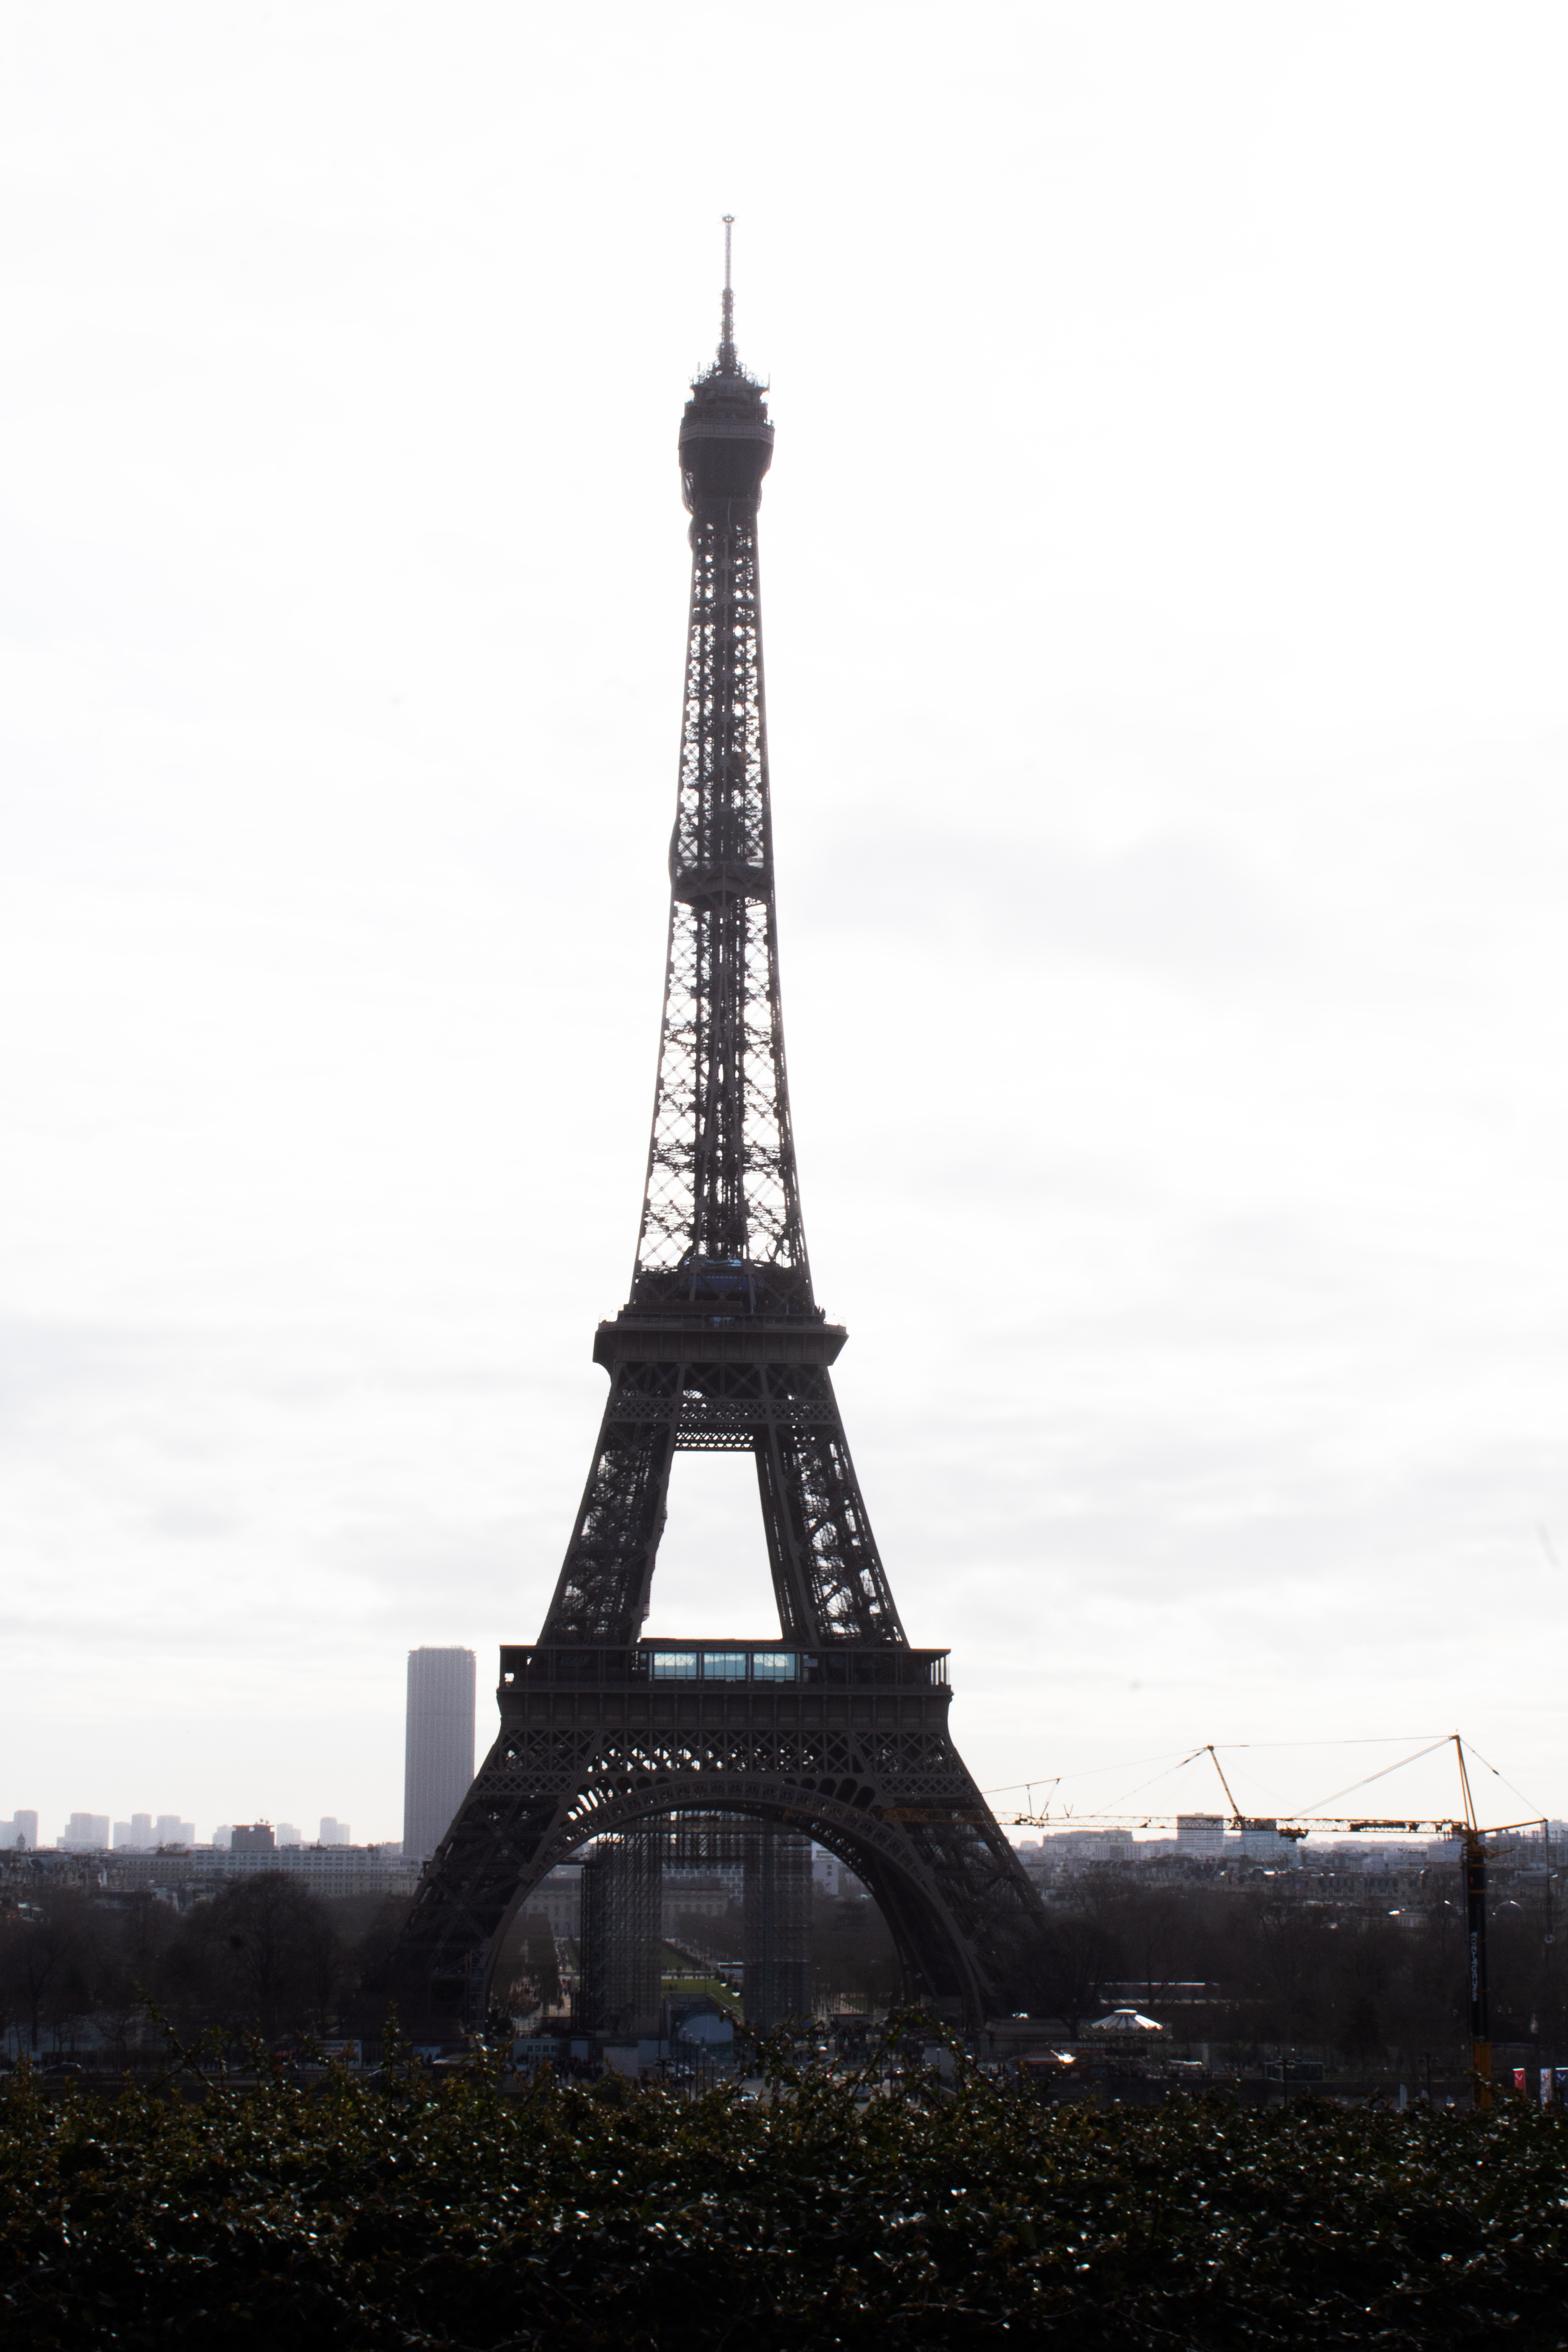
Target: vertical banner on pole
1519,2080
1546,2079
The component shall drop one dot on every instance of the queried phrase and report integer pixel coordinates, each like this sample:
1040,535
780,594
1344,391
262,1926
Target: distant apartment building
288,1834
439,1750
1200,1834
85,1834
334,1833
21,1830
1380,1854
252,1837
141,1833
322,1869
1261,1842
1089,1845
560,1897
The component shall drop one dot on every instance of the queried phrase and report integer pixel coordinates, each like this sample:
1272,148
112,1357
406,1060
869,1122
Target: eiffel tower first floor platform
850,1745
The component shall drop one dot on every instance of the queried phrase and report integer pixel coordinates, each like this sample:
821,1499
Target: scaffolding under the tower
624,1883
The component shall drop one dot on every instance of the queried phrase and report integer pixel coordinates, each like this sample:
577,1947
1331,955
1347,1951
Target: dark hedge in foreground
418,2216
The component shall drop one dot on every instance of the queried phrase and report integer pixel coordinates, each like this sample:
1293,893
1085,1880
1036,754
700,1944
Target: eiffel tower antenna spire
838,1727
727,327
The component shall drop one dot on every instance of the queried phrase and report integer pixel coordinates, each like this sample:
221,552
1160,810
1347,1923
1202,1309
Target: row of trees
263,1956
266,1956
1244,1965
1359,1973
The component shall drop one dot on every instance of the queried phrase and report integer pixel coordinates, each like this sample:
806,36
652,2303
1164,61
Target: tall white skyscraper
86,1834
439,1755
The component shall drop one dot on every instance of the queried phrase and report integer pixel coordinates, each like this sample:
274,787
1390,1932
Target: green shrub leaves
458,2216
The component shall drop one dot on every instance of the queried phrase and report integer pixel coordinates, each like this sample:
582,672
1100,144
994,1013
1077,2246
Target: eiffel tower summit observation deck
839,1728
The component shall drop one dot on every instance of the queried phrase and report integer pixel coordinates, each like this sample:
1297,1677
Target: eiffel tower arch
839,1728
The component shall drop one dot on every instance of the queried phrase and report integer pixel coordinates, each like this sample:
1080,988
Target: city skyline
147,1833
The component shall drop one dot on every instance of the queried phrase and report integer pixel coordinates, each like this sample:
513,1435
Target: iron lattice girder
721,1183
718,1405
773,1861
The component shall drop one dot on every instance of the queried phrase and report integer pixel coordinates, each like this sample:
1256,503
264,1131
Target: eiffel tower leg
788,1556
830,1582
602,1592
502,1843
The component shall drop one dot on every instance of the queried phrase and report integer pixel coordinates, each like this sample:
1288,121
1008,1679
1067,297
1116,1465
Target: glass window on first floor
675,1666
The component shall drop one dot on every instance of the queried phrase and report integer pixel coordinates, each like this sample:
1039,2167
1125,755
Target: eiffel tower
839,1728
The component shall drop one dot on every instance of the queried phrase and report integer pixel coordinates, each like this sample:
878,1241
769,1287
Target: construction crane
1465,1830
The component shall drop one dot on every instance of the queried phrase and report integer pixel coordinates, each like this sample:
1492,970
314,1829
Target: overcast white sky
1166,593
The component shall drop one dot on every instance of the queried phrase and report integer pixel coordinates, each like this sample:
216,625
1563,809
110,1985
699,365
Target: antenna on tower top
727,335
